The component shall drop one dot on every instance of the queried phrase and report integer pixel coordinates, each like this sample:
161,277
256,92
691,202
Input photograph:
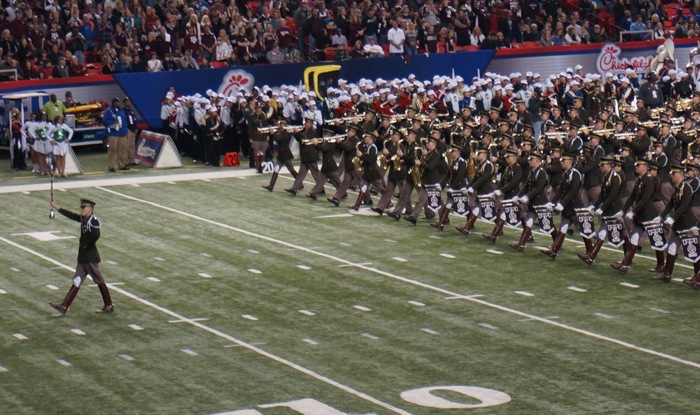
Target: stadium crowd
44,39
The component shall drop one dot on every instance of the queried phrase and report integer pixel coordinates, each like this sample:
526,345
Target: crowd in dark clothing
43,39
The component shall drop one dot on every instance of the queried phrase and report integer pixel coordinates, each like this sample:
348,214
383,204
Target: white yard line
225,336
406,280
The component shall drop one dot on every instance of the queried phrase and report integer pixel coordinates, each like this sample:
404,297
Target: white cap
169,95
312,94
265,98
577,67
391,96
230,99
666,78
536,75
609,75
629,71
672,72
625,80
509,87
569,70
574,83
528,73
212,109
431,92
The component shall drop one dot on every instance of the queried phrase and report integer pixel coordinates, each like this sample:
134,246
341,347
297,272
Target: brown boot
624,266
556,246
589,257
67,301
444,214
356,206
695,279
497,230
668,269
468,227
273,180
659,262
106,299
520,245
588,244
554,235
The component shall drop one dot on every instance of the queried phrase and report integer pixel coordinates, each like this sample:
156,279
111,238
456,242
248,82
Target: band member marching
567,200
259,141
456,183
508,188
640,209
284,153
329,168
608,205
481,185
348,146
411,153
308,155
367,154
427,165
679,216
533,194
393,152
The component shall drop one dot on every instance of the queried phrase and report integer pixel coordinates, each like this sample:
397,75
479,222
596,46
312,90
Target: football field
230,299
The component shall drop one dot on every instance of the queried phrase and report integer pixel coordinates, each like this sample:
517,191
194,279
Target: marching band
607,166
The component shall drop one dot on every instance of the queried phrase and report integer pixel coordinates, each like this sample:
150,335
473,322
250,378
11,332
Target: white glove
559,207
549,205
438,186
470,190
524,200
630,215
669,221
598,212
497,193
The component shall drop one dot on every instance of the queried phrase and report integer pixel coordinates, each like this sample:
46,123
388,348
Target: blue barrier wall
148,89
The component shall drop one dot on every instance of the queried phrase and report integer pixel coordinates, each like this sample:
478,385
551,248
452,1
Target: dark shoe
394,216
353,207
585,258
291,191
111,170
333,200
430,216
106,309
377,210
311,196
322,193
367,203
516,246
491,237
373,192
437,225
268,188
658,268
620,267
662,278
550,253
124,168
59,307
411,219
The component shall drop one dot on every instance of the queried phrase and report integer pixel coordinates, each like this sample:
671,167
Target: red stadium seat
470,48
531,44
219,64
516,45
386,49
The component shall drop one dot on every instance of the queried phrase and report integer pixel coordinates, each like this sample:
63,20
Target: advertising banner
157,151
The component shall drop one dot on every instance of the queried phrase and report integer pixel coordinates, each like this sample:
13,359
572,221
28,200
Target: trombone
343,120
288,128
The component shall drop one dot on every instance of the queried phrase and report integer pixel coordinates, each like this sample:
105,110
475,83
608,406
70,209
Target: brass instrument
356,162
397,117
395,159
415,171
605,132
426,118
288,128
655,113
684,104
381,159
553,135
649,124
444,124
343,120
623,136
471,163
311,141
676,120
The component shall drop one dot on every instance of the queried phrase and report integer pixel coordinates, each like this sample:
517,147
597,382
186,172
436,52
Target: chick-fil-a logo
609,60
236,81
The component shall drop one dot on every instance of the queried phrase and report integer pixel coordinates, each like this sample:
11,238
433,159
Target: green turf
227,227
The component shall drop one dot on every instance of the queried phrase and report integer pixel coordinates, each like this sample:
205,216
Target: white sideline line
135,327
2,291
126,357
601,315
628,284
307,312
20,336
304,267
189,352
188,320
488,326
660,310
2,369
429,331
416,303
64,362
225,336
78,332
406,280
249,317
204,275
398,258
361,308
577,289
309,341
370,336
524,293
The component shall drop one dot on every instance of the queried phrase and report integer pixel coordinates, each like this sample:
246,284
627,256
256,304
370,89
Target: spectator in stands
138,64
187,61
558,37
31,71
637,26
275,56
598,35
77,68
429,40
501,41
462,24
224,49
338,39
476,38
681,31
491,42
61,70
411,42
208,43
10,63
571,37
508,27
546,39
396,38
358,51
154,64
372,49
322,40
169,63
534,33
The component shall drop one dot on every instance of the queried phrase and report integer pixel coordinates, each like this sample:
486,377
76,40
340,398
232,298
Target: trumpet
623,136
553,135
604,132
444,124
311,141
677,120
343,120
649,124
684,104
288,128
655,113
